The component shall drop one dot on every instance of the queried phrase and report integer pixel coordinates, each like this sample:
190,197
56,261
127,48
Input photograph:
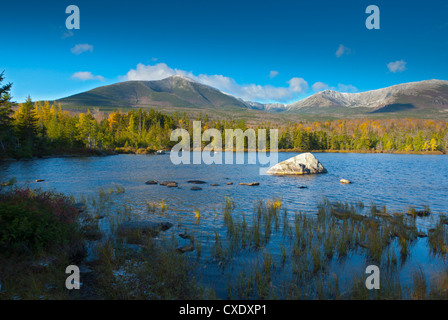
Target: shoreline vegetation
42,130
143,151
152,261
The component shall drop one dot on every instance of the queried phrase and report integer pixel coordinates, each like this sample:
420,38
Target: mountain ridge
180,92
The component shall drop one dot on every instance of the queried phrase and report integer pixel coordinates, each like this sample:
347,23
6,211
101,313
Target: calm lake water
396,181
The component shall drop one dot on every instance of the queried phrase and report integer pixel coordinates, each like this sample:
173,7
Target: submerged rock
171,185
421,235
196,181
186,248
187,236
81,207
304,163
250,184
166,183
423,213
146,227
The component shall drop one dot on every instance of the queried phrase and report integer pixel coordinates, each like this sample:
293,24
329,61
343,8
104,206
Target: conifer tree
6,121
26,123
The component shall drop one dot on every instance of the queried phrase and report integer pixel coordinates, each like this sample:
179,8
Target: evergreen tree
6,121
26,123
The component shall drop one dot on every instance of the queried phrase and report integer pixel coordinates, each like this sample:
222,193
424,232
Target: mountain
178,93
173,92
414,97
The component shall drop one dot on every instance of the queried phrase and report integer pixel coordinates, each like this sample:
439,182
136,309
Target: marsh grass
318,244
293,255
157,272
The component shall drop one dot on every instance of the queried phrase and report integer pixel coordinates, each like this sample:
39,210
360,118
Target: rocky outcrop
304,163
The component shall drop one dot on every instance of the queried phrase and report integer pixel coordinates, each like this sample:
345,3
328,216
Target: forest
36,129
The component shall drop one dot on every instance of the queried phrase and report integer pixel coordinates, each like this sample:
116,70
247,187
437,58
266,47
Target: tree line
40,128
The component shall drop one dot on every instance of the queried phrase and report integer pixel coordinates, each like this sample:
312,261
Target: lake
393,180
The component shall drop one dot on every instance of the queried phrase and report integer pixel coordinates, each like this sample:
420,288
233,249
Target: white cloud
320,86
67,34
86,75
273,74
80,48
264,93
397,66
342,50
148,72
347,88
298,85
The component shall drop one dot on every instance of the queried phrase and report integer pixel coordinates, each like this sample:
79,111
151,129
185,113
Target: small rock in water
39,180
229,183
187,248
423,213
421,235
186,236
345,181
171,185
165,183
152,182
214,184
195,188
150,227
250,184
196,181
303,187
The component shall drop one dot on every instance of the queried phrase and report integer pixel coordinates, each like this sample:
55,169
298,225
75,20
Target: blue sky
258,50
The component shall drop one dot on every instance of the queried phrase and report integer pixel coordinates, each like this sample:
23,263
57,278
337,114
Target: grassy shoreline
269,253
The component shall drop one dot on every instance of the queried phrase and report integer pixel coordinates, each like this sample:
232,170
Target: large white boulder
304,163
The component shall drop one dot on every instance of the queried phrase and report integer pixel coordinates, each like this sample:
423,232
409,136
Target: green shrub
32,221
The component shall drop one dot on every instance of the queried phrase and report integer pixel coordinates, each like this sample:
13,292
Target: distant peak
179,76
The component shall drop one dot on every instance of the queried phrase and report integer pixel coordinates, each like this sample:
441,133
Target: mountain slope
175,91
416,96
